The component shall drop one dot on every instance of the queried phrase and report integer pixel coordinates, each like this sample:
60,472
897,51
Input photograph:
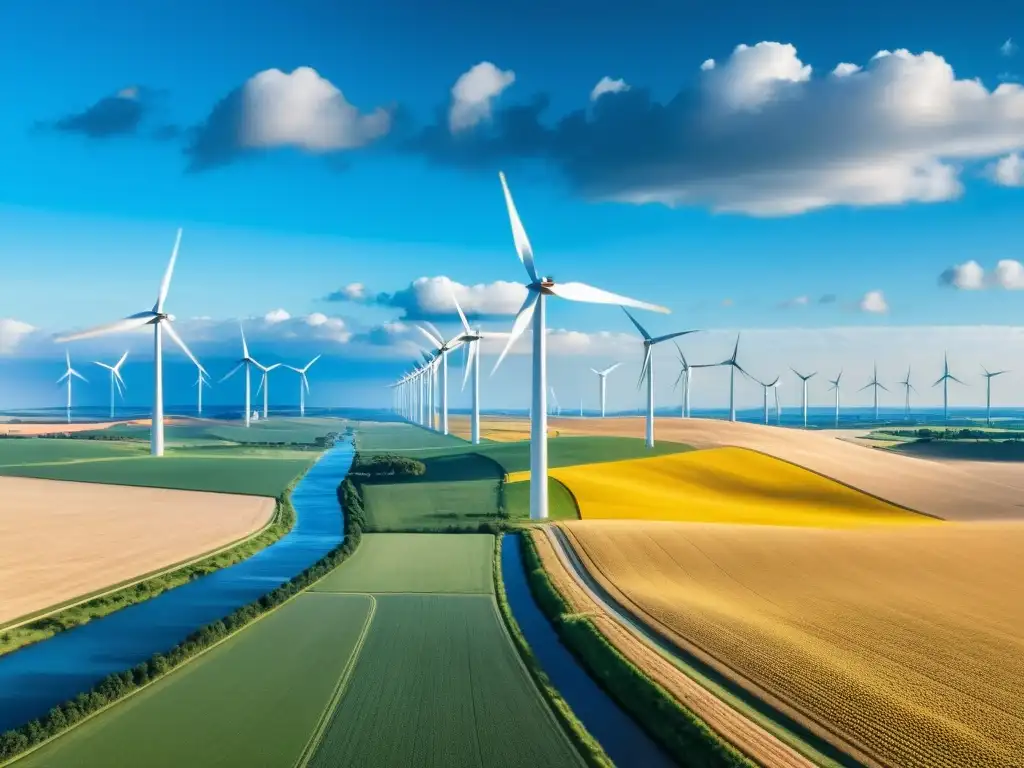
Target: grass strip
685,737
118,686
588,747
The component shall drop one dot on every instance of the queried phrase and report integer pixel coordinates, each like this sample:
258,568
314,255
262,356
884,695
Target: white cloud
303,109
608,85
755,75
276,316
431,297
474,92
969,276
316,318
1008,274
12,333
1007,171
354,291
845,69
1008,48
707,64
874,302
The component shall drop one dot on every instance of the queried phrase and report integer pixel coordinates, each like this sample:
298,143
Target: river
41,676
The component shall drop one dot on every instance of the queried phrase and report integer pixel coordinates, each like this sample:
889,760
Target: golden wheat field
725,485
905,642
495,428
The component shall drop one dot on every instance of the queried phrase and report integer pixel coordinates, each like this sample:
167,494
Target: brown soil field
500,429
61,540
951,491
746,736
906,644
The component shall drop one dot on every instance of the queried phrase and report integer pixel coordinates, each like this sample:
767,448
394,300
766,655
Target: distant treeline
117,686
386,465
966,433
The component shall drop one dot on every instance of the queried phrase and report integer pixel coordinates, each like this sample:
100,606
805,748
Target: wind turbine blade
245,347
954,378
884,387
433,340
645,367
608,370
103,365
293,368
310,363
592,295
667,336
121,361
177,340
470,356
117,377
73,372
523,247
519,325
939,381
117,386
165,284
643,331
597,372
305,383
263,378
66,374
462,316
866,386
679,378
118,326
231,373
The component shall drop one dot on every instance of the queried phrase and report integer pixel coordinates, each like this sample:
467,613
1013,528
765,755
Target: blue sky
86,222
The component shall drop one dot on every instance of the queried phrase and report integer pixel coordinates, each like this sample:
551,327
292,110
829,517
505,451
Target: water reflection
623,740
36,678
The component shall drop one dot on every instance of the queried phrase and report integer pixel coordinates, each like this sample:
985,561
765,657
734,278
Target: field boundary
30,737
777,716
588,748
339,689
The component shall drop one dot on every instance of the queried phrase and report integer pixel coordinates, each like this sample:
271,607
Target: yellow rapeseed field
725,485
905,642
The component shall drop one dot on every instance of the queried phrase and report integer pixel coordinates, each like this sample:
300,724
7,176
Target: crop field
561,505
254,700
418,563
228,469
724,485
439,684
59,541
903,645
949,490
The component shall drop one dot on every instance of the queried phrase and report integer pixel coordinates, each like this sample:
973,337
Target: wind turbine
265,384
555,408
874,383
247,362
778,407
161,321
989,375
765,387
685,377
602,379
68,373
471,339
944,380
441,352
733,367
804,379
304,383
907,386
200,383
538,289
835,385
648,369
115,379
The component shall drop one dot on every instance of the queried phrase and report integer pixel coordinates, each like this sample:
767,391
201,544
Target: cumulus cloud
874,303
1007,274
277,316
353,292
430,298
761,134
474,93
12,333
274,109
116,115
707,64
608,85
1007,171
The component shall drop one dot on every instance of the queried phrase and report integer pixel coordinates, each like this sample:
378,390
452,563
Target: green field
427,562
202,431
439,684
253,700
561,504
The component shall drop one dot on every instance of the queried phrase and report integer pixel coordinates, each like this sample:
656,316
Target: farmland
901,645
229,706
952,491
62,540
726,485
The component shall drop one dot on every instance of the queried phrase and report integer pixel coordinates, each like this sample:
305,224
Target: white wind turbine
647,370
161,321
876,385
442,348
989,375
303,383
765,387
685,378
471,340
265,384
908,387
835,385
778,406
804,379
602,378
200,383
944,380
555,408
68,373
538,289
247,362
733,367
116,381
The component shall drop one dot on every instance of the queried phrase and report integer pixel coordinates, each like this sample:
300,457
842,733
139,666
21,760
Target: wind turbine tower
247,362
803,380
944,380
200,383
265,384
907,388
874,383
834,384
304,383
989,375
115,379
765,387
778,406
68,373
538,289
602,378
685,378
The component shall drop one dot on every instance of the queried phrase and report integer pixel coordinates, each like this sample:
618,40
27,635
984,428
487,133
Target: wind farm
461,529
